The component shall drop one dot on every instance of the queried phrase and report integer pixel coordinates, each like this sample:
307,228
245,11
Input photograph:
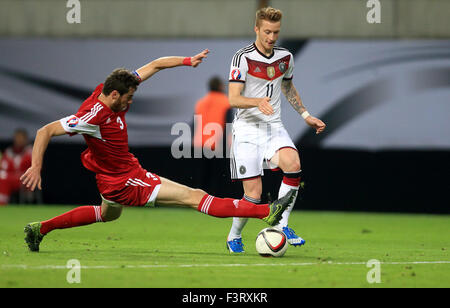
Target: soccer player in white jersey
259,73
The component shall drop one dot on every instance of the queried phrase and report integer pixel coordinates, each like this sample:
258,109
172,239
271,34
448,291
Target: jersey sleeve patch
238,68
75,125
73,121
236,75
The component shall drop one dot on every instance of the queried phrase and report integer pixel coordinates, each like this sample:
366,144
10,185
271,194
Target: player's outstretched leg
172,193
80,216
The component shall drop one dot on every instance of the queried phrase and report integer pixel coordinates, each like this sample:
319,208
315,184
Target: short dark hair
121,80
215,84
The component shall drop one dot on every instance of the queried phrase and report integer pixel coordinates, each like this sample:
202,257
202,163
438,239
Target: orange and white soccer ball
271,242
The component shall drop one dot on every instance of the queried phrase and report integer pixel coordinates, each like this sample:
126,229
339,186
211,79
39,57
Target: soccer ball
271,242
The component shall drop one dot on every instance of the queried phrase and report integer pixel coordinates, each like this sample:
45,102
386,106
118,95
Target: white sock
240,222
236,228
284,189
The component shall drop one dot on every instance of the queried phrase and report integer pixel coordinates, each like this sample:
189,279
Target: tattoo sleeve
292,96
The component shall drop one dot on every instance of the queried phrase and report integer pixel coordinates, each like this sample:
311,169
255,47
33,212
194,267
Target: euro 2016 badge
72,122
282,67
270,72
236,74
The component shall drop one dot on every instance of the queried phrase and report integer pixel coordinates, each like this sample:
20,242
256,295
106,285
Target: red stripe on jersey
268,71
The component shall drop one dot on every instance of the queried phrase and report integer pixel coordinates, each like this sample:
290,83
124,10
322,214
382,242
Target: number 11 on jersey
269,90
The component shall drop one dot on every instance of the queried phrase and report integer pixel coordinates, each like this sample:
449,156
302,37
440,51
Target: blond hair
269,14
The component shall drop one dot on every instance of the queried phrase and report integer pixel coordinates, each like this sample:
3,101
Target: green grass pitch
168,247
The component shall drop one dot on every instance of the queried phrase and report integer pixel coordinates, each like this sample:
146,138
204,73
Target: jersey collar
262,54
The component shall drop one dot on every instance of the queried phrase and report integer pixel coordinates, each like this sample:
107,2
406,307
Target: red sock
228,207
292,178
80,216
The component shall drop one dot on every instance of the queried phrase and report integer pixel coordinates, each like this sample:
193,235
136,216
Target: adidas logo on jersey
257,70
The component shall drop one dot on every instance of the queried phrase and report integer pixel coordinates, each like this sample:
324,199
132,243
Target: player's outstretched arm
32,177
292,96
148,70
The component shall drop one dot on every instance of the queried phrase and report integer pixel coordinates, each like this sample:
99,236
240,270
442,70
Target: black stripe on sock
293,175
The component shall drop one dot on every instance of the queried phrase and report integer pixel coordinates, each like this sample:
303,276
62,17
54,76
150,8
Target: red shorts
136,188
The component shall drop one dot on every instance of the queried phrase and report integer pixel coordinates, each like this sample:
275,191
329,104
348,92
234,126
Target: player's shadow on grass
198,253
225,253
291,256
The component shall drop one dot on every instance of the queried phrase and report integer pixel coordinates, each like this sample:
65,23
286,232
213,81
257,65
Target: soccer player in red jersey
15,160
121,180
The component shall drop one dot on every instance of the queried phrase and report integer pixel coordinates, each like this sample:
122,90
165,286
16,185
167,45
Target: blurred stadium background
383,89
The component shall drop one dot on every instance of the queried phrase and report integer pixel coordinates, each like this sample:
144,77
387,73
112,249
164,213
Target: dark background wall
385,103
349,180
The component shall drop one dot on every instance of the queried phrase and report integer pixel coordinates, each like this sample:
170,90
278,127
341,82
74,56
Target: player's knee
200,191
196,195
293,166
110,213
109,217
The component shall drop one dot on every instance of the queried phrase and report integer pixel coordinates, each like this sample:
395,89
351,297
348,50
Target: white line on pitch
24,266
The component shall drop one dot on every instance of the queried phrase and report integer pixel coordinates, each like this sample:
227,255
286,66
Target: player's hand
264,106
32,178
315,123
197,59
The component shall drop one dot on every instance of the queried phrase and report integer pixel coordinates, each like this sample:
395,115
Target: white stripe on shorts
130,183
137,182
142,183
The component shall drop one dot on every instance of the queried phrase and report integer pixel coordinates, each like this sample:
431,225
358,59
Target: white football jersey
262,77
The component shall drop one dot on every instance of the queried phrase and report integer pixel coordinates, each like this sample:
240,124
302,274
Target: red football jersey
15,163
105,132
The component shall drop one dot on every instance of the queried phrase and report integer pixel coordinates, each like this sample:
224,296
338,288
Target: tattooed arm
292,96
